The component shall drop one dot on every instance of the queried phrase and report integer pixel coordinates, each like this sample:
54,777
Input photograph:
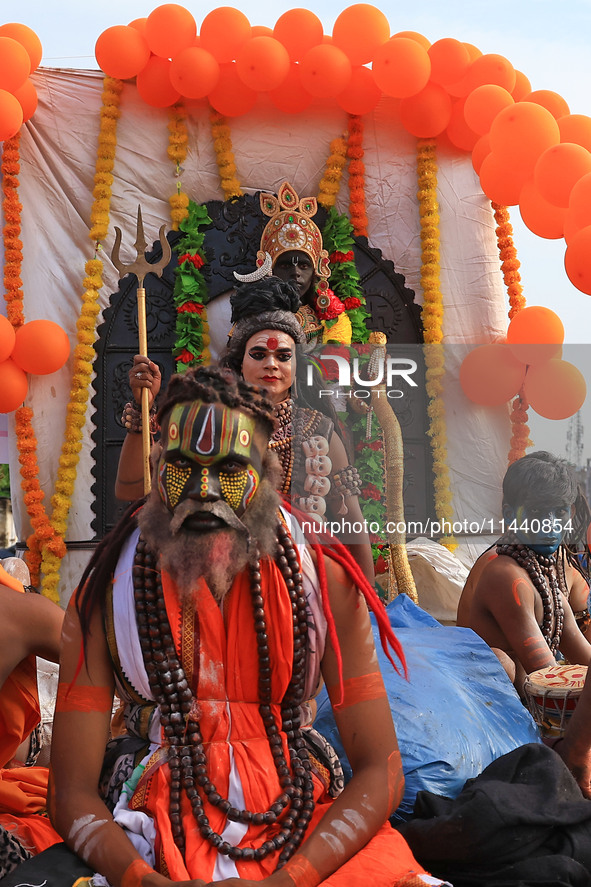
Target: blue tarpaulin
457,712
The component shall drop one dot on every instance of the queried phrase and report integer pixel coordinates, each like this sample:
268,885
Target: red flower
195,260
330,367
372,492
328,306
380,565
341,257
185,356
190,308
352,302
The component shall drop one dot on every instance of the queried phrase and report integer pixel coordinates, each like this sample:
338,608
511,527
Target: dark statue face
210,454
296,267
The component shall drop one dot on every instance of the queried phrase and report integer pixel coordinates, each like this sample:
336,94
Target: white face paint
83,830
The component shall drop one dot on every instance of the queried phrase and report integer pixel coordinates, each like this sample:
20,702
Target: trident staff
140,268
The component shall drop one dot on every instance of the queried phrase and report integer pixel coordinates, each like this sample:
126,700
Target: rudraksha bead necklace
548,578
292,809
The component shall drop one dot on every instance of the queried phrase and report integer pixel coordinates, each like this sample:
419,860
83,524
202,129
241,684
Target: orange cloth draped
23,790
229,716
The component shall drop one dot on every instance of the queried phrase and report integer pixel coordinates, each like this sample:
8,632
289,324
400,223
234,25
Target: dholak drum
552,694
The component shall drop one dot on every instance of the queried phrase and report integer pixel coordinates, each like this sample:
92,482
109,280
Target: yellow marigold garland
433,327
222,143
355,153
52,552
178,140
330,182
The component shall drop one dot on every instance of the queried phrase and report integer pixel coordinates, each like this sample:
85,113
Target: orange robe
222,648
23,790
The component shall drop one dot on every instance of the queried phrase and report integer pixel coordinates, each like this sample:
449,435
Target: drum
552,694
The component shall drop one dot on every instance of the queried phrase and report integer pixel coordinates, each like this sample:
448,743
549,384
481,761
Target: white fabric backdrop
58,150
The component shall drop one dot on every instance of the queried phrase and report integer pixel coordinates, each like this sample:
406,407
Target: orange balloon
7,337
577,260
154,84
11,115
458,131
575,128
13,386
231,96
428,113
122,52
261,31
359,31
27,38
15,64
325,71
449,61
223,31
194,72
491,68
298,30
555,389
414,35
522,86
521,132
480,150
362,94
490,375
262,63
579,205
170,28
483,104
291,97
401,67
140,25
40,347
501,183
473,51
542,217
558,170
549,100
27,99
535,334
571,227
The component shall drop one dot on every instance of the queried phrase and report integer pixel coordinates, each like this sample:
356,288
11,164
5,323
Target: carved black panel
231,245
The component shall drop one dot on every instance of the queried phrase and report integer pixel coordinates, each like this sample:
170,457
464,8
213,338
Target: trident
140,268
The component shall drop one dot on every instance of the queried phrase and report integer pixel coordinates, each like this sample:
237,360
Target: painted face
210,453
542,528
269,362
296,267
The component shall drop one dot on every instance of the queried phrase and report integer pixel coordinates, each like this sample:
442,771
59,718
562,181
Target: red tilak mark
272,343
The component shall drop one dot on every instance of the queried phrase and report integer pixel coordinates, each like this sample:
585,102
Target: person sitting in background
31,626
517,597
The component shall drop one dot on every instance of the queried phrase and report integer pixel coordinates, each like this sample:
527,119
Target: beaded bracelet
347,481
131,419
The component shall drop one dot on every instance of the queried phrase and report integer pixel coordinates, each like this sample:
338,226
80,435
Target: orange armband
83,698
135,871
364,688
302,872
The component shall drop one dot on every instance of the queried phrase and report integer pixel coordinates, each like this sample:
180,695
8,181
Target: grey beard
217,555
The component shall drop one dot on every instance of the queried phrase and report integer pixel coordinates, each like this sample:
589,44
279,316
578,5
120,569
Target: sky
545,39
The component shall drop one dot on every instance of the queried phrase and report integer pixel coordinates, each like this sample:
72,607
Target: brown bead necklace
548,578
187,761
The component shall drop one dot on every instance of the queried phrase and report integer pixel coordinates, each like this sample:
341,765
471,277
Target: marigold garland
510,267
13,247
433,327
355,153
330,183
53,549
178,140
222,143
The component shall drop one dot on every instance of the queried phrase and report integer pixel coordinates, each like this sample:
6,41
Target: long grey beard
217,555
